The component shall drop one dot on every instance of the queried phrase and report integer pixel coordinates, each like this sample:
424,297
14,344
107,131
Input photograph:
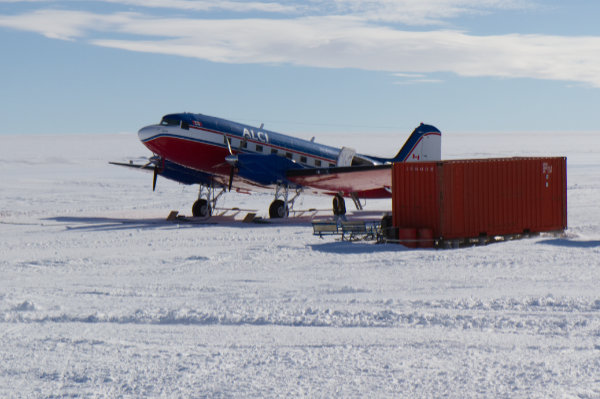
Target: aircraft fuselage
200,142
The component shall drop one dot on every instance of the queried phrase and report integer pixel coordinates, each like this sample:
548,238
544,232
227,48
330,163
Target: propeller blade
232,160
154,178
229,145
231,172
155,159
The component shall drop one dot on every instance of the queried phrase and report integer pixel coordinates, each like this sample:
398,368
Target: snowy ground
100,297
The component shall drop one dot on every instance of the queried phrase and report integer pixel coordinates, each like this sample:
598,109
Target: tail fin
424,144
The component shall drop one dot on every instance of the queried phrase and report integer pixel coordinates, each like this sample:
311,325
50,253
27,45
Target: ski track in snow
101,297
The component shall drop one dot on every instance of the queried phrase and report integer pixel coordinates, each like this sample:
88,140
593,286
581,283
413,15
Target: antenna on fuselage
312,140
262,125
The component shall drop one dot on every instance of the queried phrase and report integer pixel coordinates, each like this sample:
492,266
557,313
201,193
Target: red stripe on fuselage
193,154
208,157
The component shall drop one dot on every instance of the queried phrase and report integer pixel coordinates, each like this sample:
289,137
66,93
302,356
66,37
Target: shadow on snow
562,242
110,224
88,223
347,247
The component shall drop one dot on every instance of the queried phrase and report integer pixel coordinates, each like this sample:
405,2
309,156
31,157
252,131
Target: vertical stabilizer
423,145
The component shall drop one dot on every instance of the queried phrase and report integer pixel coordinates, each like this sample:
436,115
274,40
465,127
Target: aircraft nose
147,132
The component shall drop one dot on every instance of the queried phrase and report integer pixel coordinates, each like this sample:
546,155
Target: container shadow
347,247
562,242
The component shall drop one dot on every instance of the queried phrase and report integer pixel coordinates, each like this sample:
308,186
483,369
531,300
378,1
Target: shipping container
467,199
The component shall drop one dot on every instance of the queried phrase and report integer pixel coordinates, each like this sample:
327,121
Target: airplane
220,155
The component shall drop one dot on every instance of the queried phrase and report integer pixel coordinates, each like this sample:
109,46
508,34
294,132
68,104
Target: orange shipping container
481,197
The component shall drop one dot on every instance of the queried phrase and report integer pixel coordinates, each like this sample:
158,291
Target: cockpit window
170,122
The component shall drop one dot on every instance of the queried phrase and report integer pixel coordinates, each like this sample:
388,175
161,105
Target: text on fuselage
259,136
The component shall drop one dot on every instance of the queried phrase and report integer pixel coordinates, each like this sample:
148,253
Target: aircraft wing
171,171
376,180
264,169
148,167
252,169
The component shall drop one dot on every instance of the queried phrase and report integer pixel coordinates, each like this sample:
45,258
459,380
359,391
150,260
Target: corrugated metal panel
413,207
469,198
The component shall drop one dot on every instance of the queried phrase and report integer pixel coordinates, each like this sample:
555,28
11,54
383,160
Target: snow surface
101,297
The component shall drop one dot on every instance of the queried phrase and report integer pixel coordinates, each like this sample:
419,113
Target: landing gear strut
207,200
280,207
356,200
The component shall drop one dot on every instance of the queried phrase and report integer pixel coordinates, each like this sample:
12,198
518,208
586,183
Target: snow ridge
543,315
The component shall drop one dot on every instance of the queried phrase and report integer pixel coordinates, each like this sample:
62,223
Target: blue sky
111,66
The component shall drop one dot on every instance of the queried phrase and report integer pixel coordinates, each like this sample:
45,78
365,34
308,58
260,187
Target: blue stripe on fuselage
276,140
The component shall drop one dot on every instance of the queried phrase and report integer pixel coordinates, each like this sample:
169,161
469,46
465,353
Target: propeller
144,166
232,160
154,177
231,172
157,161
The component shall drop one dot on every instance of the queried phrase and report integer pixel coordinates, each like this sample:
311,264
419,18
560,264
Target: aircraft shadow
86,223
562,242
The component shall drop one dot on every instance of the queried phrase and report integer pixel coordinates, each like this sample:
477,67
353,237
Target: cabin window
170,122
303,160
259,148
317,162
288,155
273,151
185,125
331,165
